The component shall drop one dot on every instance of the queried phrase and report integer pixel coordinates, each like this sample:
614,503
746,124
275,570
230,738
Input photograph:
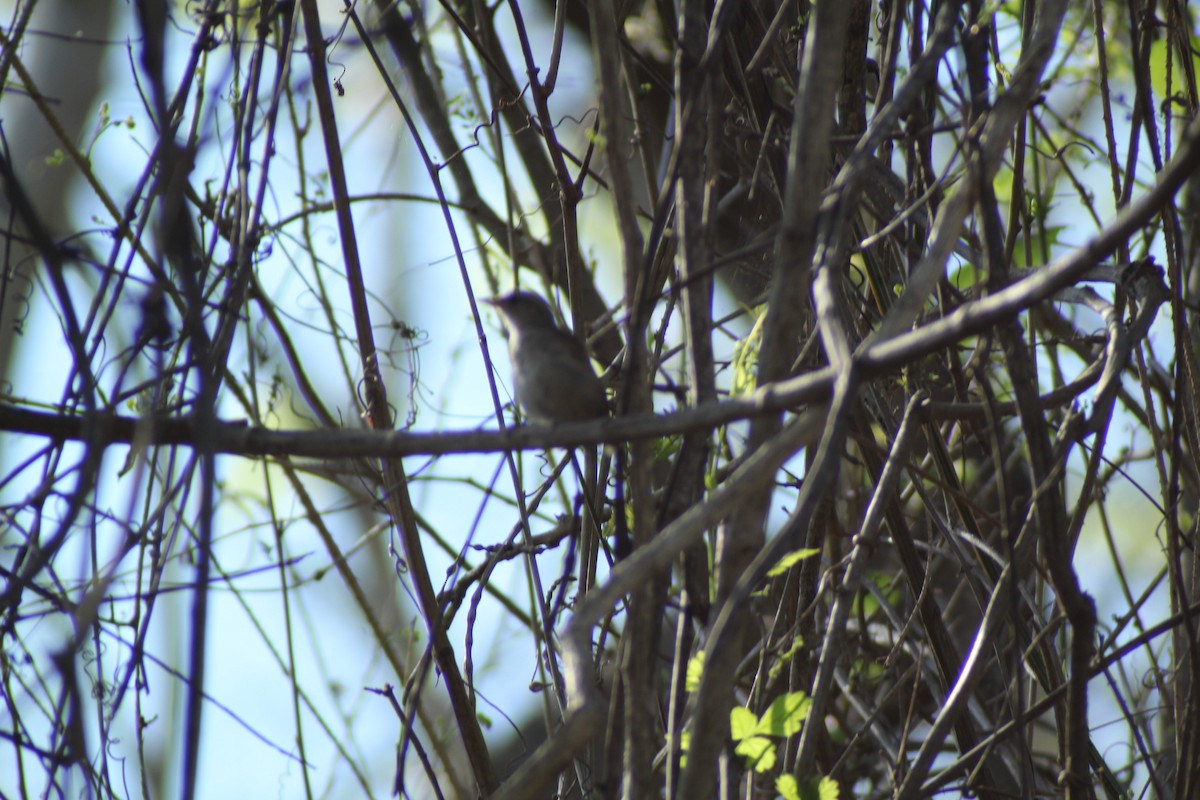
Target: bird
552,375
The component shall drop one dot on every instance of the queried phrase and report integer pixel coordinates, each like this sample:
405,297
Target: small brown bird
552,374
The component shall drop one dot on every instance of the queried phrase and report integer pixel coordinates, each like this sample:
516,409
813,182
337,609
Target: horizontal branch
874,358
238,438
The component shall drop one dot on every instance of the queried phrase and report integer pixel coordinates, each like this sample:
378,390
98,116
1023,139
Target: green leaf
695,669
787,787
1158,67
758,752
667,446
791,559
965,277
812,789
785,716
786,656
1041,246
745,356
869,604
742,723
